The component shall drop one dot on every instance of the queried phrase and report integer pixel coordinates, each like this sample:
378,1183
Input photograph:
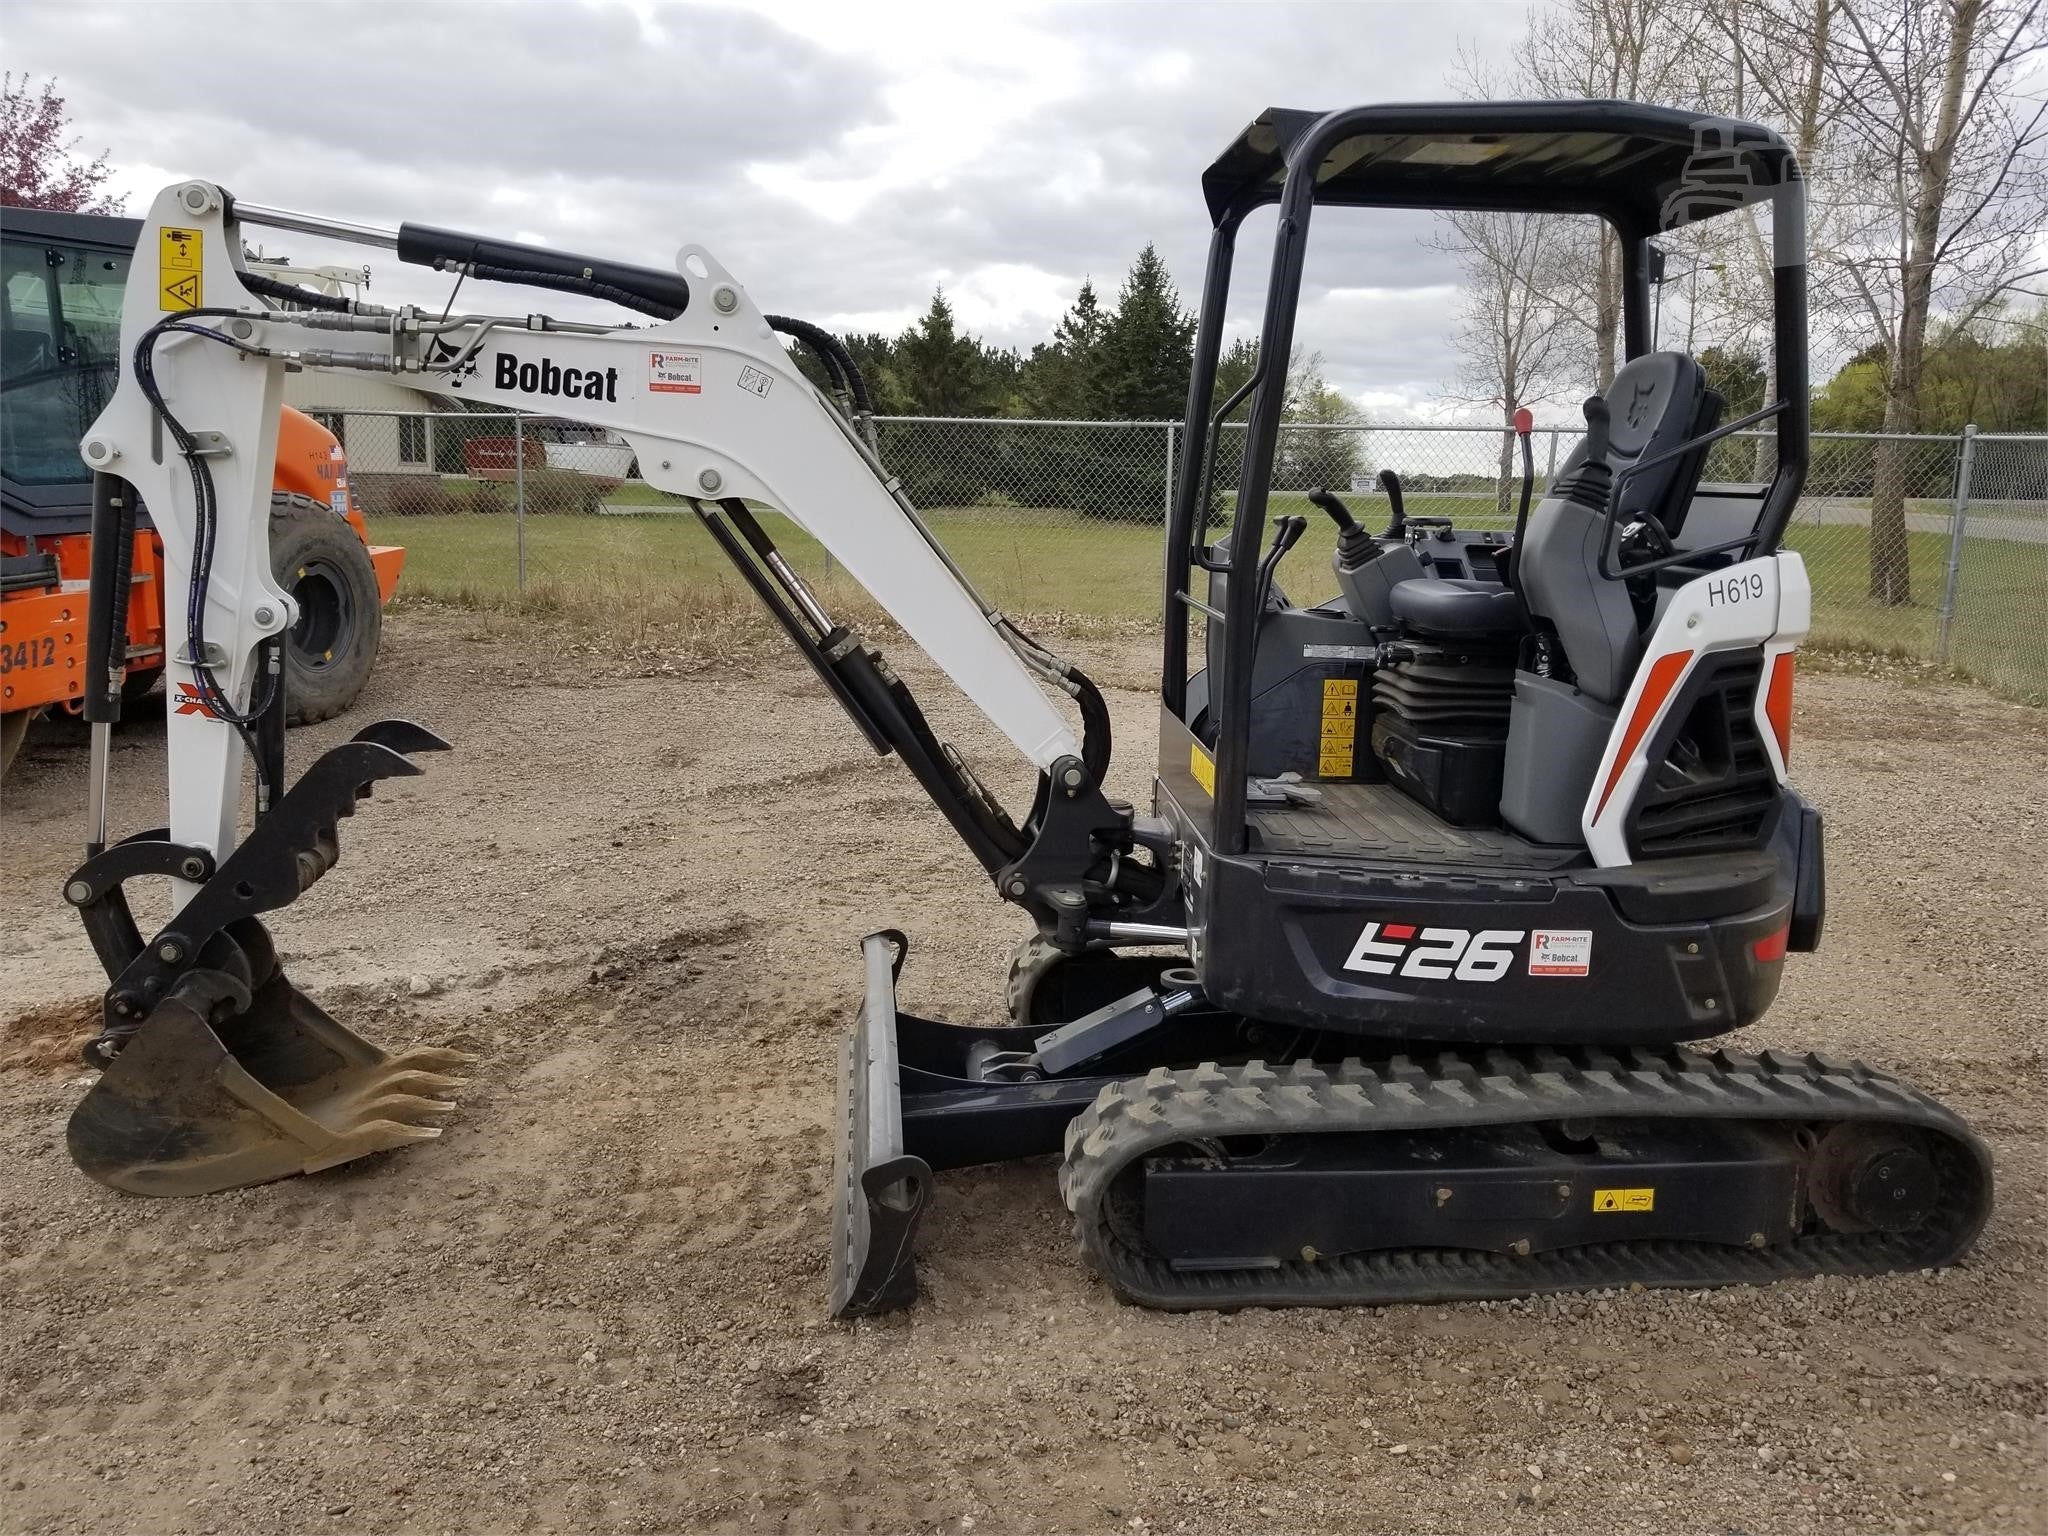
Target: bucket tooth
424,1084
431,1058
396,1106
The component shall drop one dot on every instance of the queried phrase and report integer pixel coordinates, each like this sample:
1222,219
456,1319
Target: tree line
1124,361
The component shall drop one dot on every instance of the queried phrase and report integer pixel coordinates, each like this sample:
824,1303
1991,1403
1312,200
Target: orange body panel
42,649
389,559
42,632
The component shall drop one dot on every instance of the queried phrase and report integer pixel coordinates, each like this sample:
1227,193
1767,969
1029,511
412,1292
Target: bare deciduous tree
1633,50
1946,194
1773,55
1521,346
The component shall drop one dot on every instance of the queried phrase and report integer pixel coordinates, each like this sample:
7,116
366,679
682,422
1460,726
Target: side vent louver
1712,787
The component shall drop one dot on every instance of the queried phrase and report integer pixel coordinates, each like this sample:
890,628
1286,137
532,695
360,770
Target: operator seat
1456,607
1655,403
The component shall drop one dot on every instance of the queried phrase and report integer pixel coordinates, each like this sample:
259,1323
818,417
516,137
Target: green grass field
636,575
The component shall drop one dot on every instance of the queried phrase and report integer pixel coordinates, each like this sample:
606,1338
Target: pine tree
1232,369
1148,346
1063,377
941,370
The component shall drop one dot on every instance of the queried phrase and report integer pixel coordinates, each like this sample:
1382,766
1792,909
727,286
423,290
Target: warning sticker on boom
181,269
1636,1200
1336,757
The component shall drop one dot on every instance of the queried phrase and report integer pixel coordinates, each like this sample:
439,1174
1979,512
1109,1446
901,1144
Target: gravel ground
635,890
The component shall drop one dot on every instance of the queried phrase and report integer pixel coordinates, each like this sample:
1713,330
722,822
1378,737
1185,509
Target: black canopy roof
1645,168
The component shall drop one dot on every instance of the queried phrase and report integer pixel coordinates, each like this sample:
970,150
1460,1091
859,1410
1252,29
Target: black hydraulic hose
292,293
106,636
204,524
835,371
1095,737
589,287
1097,741
829,346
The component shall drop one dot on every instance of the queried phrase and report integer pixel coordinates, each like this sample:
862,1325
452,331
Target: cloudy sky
841,158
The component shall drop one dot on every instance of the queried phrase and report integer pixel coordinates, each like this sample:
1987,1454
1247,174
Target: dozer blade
221,1087
879,1189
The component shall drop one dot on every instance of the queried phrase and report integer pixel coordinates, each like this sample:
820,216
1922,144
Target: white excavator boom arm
709,400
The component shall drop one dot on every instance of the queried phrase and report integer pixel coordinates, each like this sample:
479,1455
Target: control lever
1354,545
1598,419
1398,524
1287,532
1511,567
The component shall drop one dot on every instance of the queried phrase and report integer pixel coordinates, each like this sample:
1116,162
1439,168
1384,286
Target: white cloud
842,159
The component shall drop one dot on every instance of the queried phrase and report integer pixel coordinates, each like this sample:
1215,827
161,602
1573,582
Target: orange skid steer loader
60,327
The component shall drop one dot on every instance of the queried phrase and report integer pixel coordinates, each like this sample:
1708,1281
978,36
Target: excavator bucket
222,1086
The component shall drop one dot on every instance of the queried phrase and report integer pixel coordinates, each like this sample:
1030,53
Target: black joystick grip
1398,523
1338,512
1598,440
1354,545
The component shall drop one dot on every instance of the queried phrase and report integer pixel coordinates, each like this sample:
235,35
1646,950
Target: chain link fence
1930,547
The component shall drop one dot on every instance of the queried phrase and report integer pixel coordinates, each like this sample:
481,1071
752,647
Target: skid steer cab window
60,338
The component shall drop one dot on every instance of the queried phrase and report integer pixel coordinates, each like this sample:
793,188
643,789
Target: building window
412,440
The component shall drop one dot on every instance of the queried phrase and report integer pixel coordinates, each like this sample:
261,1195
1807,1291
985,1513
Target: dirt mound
48,1038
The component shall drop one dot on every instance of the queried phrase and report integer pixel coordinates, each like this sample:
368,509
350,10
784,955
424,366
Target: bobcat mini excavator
1386,998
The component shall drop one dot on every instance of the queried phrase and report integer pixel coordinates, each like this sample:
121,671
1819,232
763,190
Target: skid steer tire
13,732
317,557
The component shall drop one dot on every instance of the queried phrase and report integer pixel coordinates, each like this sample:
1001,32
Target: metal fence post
1171,428
1955,543
519,493
1550,474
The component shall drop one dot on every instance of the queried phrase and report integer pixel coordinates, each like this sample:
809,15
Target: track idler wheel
236,1077
1873,1178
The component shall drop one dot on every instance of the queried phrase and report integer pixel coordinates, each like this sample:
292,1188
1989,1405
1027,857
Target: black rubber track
1138,1116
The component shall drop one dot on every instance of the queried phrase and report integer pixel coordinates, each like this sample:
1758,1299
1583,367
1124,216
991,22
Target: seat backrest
1655,403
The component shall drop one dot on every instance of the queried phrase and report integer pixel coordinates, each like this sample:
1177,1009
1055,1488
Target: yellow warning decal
181,268
1624,1199
1203,767
1336,756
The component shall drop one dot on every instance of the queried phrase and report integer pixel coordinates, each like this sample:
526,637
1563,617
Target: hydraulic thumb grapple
1394,991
